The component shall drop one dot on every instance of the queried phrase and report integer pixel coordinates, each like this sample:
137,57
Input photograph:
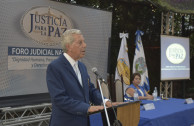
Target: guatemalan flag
139,62
123,66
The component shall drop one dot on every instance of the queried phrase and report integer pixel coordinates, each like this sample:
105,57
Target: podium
128,114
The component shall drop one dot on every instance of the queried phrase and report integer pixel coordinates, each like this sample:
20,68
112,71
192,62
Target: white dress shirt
74,64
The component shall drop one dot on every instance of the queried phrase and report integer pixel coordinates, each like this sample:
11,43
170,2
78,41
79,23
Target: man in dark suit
69,84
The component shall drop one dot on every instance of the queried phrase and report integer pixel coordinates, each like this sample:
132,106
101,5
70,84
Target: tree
130,15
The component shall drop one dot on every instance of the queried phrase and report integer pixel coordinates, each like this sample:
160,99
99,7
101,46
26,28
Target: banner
21,58
123,67
139,62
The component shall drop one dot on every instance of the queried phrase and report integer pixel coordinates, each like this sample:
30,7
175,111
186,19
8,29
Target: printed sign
20,58
149,106
45,25
176,53
189,101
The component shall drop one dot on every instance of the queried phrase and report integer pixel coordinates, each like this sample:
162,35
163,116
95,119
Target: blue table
172,112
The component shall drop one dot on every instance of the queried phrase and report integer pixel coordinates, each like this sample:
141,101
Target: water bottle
135,95
156,91
155,94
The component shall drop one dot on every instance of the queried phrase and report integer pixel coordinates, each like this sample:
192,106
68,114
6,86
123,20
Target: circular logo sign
176,53
140,65
123,70
45,25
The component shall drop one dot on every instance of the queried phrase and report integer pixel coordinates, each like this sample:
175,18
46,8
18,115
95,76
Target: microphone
95,71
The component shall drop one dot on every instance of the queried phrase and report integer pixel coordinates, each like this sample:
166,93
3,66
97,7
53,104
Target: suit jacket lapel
82,73
84,83
69,68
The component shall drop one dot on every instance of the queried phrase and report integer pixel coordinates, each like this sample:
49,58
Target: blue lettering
31,28
57,32
51,29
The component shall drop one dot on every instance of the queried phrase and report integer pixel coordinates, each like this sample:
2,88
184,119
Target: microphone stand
116,122
105,109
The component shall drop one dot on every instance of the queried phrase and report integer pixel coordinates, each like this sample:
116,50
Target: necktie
78,73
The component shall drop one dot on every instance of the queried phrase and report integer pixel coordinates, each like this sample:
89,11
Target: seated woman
136,79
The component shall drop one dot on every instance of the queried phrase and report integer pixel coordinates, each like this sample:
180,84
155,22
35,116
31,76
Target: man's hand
95,108
108,103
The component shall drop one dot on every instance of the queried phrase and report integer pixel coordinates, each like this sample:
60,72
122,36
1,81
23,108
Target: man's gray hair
67,38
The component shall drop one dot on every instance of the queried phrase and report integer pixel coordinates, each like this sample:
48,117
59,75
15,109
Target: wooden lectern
128,114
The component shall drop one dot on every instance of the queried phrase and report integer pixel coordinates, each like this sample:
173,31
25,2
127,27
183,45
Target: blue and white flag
123,67
139,62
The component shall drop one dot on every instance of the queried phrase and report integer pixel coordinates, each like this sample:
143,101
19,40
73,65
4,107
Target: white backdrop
175,58
94,24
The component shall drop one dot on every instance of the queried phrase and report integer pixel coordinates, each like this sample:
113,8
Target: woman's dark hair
135,74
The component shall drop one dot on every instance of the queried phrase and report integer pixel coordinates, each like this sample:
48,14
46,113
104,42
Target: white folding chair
119,90
105,90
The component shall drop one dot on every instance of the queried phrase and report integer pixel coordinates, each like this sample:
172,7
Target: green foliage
130,15
180,6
